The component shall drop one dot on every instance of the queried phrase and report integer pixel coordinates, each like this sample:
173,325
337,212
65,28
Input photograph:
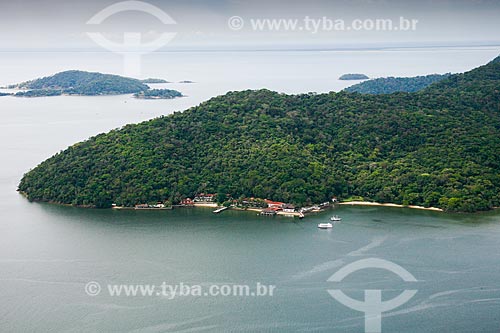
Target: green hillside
438,147
389,85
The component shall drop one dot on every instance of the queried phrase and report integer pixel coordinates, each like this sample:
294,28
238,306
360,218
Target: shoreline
259,210
214,205
204,204
378,204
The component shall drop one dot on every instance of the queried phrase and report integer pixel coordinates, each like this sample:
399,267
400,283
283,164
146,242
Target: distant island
158,94
434,148
4,94
353,77
81,83
186,81
151,80
390,85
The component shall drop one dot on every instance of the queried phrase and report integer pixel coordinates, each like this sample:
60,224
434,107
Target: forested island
4,94
158,94
353,77
438,147
152,80
390,85
83,84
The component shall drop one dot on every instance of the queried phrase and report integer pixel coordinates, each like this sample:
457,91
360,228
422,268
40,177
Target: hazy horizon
57,24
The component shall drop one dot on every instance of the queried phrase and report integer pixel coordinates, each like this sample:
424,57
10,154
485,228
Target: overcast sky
203,24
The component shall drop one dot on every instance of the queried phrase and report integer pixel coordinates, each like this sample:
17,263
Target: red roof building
274,204
187,202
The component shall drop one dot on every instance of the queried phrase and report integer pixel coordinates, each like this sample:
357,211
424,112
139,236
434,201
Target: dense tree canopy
389,85
437,147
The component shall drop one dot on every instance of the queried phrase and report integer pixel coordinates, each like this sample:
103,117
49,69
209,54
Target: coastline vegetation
39,93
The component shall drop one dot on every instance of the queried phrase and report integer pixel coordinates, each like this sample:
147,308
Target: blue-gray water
54,251
49,253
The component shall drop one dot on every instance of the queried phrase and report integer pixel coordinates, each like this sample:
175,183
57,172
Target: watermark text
321,24
171,291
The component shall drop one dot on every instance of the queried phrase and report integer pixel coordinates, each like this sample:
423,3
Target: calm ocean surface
49,253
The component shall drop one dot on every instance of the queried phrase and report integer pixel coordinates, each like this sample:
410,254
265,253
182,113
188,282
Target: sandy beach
258,210
368,203
206,204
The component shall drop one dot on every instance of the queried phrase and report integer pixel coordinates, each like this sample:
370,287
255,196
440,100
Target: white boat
335,218
325,225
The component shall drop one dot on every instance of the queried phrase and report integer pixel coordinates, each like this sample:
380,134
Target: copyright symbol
235,23
92,288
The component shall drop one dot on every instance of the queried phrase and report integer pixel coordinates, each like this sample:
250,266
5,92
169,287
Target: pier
219,210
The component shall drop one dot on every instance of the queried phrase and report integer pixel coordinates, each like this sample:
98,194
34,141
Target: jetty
219,210
268,212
